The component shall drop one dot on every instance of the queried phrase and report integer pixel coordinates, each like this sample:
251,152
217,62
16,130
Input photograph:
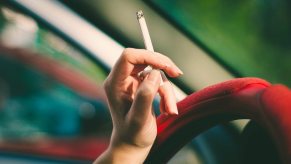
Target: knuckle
147,91
168,59
127,53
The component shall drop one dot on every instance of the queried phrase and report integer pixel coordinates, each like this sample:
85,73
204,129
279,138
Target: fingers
162,106
131,57
168,99
171,65
142,105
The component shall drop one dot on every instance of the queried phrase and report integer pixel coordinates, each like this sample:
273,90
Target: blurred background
54,56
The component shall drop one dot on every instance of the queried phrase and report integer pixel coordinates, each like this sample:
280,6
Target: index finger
131,57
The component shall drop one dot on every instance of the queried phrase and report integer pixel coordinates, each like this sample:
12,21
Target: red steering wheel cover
250,98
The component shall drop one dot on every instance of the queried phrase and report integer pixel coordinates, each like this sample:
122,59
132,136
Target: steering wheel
241,98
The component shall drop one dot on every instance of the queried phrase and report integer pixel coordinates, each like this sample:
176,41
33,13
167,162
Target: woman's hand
130,103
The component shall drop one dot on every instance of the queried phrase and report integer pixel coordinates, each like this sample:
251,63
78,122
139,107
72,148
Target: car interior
234,95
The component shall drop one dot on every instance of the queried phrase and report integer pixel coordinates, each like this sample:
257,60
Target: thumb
142,105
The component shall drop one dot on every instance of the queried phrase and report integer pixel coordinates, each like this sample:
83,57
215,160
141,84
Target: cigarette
147,42
144,30
149,46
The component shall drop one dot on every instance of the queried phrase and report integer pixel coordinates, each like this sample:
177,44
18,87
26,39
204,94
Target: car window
200,70
251,38
51,97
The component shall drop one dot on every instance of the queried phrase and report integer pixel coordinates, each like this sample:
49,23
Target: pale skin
130,102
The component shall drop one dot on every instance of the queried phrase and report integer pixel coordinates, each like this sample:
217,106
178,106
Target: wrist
123,153
128,153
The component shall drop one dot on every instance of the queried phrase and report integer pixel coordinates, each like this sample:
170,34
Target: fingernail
175,111
180,71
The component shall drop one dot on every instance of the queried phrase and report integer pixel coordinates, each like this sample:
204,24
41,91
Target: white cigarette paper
147,40
145,32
